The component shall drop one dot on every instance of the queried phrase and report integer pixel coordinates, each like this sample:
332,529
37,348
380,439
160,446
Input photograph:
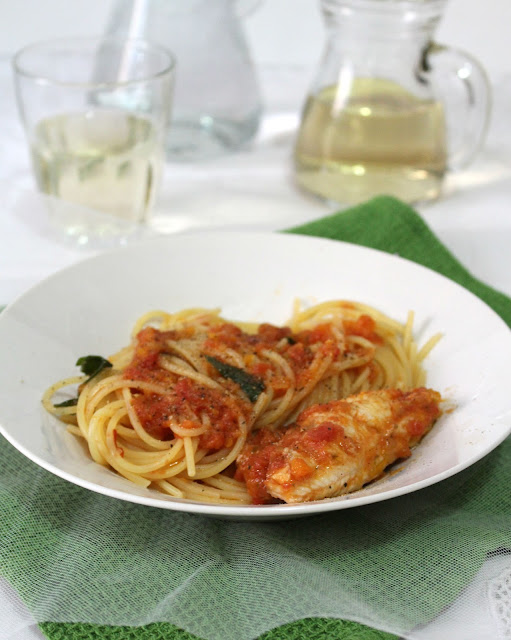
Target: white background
279,31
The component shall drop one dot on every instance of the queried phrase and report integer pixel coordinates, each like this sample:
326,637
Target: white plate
91,307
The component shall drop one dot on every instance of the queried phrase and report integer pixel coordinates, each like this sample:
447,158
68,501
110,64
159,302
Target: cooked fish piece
338,447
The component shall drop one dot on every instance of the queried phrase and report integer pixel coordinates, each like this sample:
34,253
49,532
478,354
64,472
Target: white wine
102,159
380,139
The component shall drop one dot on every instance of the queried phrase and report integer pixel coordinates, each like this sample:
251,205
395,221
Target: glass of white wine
96,113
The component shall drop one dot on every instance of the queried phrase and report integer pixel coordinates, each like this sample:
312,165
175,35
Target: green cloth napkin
408,557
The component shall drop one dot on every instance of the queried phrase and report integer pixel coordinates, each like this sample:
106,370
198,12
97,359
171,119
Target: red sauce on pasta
184,400
188,403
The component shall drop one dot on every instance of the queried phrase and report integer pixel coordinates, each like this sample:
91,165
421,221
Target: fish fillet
338,447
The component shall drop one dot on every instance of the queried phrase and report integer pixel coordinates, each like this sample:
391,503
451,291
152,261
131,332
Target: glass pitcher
390,111
217,101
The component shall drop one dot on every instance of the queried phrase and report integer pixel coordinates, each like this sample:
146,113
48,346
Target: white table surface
253,190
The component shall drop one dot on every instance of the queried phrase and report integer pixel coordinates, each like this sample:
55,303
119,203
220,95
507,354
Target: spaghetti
173,410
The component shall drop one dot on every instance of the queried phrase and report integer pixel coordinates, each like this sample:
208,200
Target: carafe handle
465,91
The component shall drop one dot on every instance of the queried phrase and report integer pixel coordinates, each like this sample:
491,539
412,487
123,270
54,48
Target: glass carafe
390,112
217,102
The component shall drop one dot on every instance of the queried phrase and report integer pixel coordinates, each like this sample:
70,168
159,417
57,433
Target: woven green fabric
308,629
389,225
408,558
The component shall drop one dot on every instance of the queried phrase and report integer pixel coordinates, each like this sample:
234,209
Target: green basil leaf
92,365
72,402
252,386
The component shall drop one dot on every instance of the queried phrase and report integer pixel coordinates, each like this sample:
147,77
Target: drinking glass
95,113
390,110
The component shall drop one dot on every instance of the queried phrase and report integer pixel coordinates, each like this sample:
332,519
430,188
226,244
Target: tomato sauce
252,465
184,400
299,350
365,327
